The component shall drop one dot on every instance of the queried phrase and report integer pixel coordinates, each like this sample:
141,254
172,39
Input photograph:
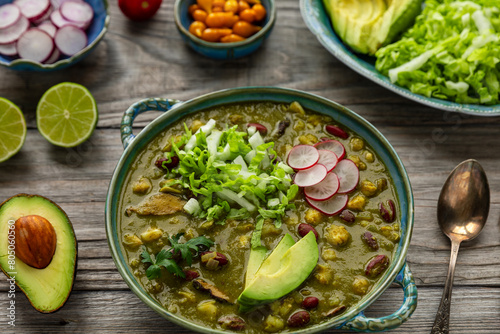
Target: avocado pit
36,241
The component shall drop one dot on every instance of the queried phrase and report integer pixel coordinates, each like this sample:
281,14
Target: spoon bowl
463,208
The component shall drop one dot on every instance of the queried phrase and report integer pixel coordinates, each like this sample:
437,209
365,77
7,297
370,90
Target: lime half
67,114
12,129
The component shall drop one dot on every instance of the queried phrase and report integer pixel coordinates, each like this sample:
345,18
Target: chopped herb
165,258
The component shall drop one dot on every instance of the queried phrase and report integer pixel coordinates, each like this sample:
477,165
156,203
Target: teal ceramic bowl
353,318
318,22
95,33
222,51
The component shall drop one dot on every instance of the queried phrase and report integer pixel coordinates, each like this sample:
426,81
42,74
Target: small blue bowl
95,33
222,51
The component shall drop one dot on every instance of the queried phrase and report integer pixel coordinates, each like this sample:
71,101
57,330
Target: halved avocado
272,282
47,289
367,25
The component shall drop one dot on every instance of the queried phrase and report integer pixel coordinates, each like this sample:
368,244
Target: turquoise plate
353,318
317,20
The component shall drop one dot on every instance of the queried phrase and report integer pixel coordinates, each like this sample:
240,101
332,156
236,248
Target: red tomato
139,10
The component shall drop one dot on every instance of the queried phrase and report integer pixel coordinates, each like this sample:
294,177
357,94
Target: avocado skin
74,258
366,35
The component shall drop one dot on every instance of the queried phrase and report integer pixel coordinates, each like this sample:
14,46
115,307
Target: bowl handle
155,104
363,324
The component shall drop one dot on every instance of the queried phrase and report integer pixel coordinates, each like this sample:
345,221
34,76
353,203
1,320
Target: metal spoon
463,207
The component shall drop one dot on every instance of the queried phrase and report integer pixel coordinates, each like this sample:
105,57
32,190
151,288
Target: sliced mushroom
158,205
204,286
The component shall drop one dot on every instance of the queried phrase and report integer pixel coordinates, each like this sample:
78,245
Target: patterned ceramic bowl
353,318
95,33
223,51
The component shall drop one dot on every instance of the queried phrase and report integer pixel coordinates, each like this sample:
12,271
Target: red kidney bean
261,128
336,131
304,229
388,210
310,302
190,274
221,258
370,240
299,319
232,322
376,265
163,163
347,216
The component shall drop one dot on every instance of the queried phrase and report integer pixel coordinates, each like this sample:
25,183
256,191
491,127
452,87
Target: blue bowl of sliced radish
47,35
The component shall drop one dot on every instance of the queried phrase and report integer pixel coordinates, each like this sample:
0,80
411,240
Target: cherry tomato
139,10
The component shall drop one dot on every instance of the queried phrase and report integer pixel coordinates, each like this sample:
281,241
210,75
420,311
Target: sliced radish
33,9
311,176
49,28
332,145
70,40
56,54
36,45
325,189
60,22
328,159
45,16
9,15
348,174
331,206
80,12
13,32
302,156
8,49
57,3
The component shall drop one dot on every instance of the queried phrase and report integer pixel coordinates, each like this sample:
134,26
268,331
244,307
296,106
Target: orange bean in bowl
245,29
218,3
231,6
242,5
260,12
215,34
197,28
232,38
248,15
192,8
217,9
220,20
200,15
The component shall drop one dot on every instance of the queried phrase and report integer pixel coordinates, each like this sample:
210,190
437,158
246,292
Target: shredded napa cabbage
232,176
452,52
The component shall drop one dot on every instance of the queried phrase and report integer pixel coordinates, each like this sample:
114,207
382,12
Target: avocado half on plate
38,249
367,25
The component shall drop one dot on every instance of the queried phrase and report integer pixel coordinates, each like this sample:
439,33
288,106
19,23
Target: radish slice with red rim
302,157
33,9
80,12
58,3
70,40
49,28
348,174
9,15
12,33
332,145
36,45
331,206
56,54
328,159
44,18
325,189
60,22
311,176
8,49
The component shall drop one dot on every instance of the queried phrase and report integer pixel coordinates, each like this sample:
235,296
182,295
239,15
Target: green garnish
232,174
450,53
165,258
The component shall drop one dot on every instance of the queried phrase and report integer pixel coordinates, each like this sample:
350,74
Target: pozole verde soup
202,210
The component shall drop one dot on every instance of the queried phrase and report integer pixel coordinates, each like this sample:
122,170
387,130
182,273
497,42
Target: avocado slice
367,25
257,255
47,289
278,278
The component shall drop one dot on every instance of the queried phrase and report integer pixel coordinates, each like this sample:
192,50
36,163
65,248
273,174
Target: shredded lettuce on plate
452,52
232,175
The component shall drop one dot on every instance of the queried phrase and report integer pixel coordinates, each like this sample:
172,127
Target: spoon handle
442,321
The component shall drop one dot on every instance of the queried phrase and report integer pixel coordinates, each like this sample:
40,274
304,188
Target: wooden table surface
139,60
